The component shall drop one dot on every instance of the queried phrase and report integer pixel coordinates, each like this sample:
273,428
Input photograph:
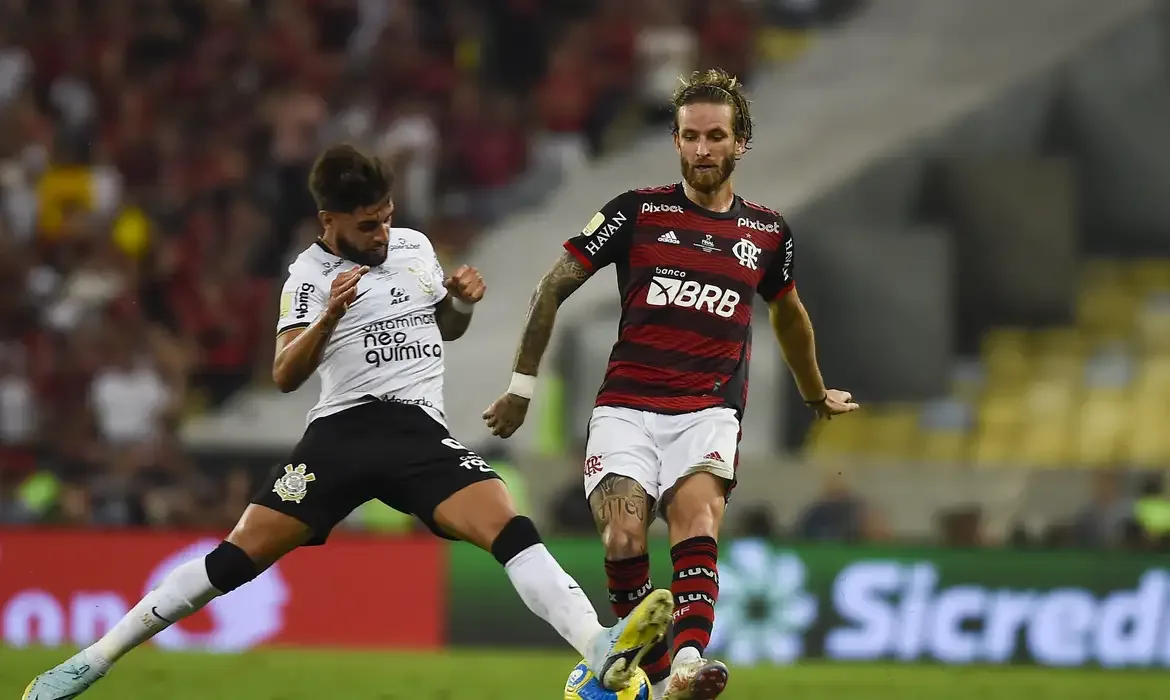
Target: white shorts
657,450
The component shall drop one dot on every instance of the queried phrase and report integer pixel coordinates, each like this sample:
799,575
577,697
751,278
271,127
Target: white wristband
523,385
462,306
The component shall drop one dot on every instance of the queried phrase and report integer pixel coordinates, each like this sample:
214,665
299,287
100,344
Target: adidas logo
714,457
668,237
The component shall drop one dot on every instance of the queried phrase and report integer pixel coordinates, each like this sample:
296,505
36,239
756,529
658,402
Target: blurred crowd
153,165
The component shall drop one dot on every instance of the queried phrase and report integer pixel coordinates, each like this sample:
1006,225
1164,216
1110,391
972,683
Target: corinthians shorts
393,452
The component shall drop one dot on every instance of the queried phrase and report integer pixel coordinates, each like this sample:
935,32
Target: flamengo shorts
657,450
393,452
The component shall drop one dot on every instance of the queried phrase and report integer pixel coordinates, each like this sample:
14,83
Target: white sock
554,596
182,593
659,689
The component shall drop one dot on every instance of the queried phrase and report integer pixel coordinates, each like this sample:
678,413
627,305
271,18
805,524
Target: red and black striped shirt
687,278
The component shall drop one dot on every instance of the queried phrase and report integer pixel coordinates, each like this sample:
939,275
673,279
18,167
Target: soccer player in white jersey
368,308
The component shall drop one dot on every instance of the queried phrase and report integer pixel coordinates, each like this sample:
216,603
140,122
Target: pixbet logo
648,208
664,291
773,227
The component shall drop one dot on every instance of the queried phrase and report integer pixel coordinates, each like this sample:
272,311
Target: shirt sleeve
301,301
607,235
778,280
440,291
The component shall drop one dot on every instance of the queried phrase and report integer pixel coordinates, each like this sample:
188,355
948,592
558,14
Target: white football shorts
658,450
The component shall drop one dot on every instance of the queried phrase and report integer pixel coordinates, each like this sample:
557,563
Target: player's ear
740,147
326,219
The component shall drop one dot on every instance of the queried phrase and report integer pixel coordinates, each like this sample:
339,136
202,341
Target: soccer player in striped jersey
664,434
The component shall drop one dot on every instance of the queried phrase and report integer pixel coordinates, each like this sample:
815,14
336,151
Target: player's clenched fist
343,291
466,284
506,414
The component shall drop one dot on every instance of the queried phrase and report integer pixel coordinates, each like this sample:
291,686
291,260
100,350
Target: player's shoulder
761,210
314,261
642,194
670,188
401,235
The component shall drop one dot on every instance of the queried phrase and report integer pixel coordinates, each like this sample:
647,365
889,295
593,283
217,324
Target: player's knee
623,539
518,535
229,567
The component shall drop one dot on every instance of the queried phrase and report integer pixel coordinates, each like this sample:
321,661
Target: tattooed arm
507,414
566,276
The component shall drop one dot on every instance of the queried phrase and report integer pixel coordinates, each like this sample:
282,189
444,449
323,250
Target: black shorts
395,453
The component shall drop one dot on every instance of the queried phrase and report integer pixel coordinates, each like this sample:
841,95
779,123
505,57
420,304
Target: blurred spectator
666,48
153,165
840,515
130,401
1102,521
961,526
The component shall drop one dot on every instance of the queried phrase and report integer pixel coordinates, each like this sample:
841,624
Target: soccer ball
583,685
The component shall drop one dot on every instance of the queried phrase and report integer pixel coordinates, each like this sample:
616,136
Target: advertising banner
778,604
69,587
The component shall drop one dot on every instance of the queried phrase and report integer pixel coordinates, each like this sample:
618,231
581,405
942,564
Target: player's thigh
619,444
700,442
450,488
327,476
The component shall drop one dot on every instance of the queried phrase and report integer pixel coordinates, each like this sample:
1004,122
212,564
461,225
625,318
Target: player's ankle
100,659
684,655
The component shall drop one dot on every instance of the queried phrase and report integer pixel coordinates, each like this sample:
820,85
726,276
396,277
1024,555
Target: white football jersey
387,345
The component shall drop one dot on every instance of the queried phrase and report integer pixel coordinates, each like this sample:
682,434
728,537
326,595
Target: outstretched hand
835,403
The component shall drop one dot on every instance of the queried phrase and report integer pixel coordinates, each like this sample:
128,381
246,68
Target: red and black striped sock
629,583
696,588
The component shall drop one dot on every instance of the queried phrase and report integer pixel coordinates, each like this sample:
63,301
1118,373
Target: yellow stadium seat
893,431
1149,275
942,446
994,449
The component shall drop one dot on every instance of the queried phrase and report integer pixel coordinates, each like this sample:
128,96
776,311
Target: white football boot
67,680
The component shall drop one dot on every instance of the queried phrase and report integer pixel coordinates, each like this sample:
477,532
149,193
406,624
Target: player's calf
694,514
629,584
182,593
621,509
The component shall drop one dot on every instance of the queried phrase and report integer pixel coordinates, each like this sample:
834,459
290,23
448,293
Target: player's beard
369,258
710,180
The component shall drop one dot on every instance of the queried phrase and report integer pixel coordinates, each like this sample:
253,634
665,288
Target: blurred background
979,193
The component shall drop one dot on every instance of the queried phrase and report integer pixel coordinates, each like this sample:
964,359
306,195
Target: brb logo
664,291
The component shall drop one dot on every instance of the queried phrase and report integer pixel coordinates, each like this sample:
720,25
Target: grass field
299,675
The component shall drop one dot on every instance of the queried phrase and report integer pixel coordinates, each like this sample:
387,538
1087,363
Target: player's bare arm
505,416
465,288
794,331
299,351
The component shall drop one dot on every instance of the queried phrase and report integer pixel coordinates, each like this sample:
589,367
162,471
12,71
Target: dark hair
720,87
344,179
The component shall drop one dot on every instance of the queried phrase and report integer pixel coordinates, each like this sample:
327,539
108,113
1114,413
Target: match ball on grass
583,685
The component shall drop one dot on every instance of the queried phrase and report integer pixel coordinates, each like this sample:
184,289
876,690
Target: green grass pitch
312,675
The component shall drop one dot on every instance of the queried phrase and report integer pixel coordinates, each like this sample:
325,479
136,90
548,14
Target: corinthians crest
426,279
294,484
